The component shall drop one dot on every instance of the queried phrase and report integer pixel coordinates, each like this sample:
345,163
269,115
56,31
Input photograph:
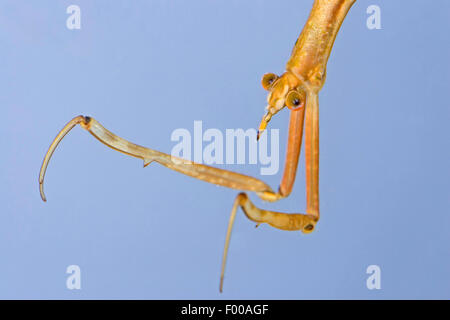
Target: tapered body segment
313,47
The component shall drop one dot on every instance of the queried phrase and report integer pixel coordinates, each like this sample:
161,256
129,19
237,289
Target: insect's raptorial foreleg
199,171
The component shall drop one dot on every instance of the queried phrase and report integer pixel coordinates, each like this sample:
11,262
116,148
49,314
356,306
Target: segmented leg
284,221
206,173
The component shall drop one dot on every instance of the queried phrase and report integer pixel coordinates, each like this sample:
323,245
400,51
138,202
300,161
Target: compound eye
295,100
268,80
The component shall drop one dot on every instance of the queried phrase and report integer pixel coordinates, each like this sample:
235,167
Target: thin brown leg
312,156
293,151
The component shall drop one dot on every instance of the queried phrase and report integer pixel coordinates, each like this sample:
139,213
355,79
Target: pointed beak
265,120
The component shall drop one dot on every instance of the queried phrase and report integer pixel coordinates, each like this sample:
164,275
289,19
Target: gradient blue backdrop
145,68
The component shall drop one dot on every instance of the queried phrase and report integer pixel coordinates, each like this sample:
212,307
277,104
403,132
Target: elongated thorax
311,51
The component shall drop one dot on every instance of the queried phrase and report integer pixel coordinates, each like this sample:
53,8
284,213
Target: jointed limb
199,171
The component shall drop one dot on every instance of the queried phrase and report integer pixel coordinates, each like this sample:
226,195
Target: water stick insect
297,88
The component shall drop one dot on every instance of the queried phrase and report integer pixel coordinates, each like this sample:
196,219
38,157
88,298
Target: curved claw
72,123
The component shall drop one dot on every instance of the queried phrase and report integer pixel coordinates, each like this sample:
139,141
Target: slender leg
202,172
312,156
284,221
294,146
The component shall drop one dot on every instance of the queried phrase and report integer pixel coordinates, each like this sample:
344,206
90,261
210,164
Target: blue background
145,68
